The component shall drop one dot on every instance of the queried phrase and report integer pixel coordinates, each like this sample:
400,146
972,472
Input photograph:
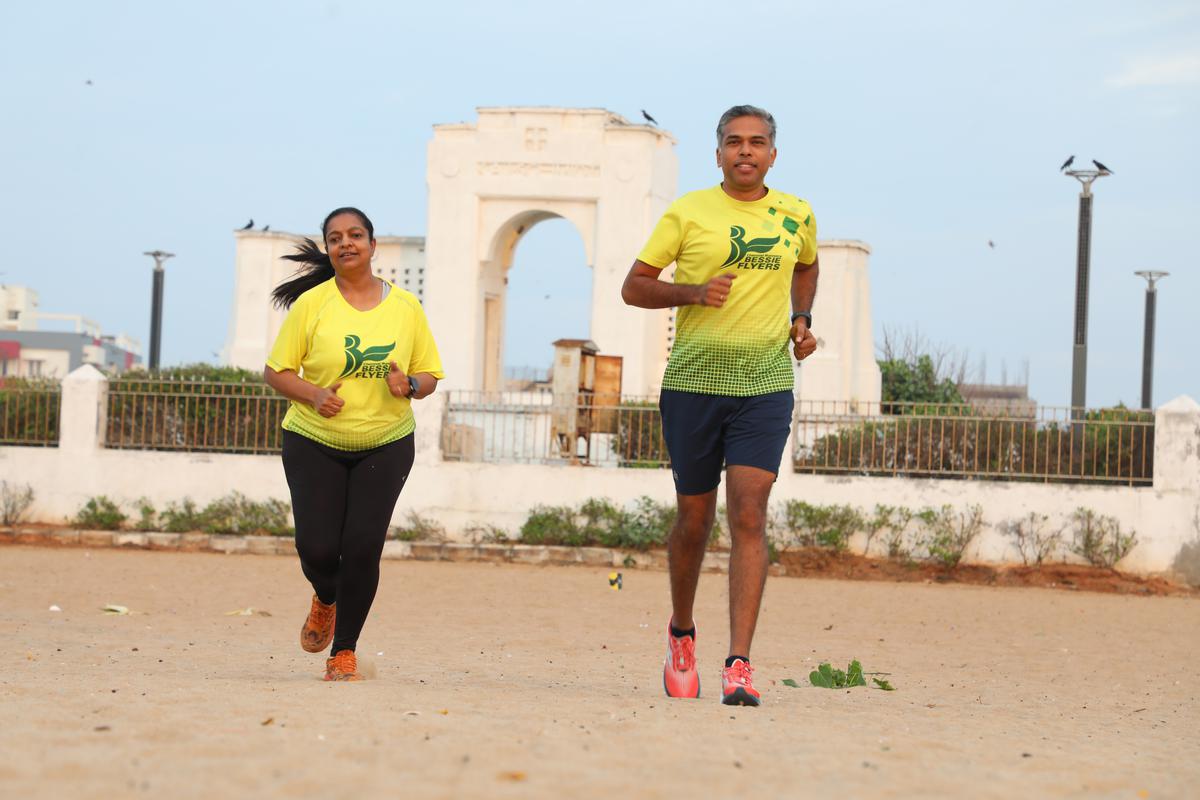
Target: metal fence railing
29,411
194,415
542,428
961,441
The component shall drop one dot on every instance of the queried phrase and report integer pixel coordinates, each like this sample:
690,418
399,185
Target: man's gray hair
745,111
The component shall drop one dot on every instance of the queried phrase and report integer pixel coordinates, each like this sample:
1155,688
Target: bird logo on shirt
739,247
355,358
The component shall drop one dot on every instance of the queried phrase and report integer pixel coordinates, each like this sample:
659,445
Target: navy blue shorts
705,432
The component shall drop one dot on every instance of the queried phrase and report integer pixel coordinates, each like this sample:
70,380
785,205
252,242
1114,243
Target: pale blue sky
922,129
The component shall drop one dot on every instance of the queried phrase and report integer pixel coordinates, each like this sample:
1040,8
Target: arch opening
538,289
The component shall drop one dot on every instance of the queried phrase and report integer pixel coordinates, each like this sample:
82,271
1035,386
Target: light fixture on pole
1082,265
1151,276
156,299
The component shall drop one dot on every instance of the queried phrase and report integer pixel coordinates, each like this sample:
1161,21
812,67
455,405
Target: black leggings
343,501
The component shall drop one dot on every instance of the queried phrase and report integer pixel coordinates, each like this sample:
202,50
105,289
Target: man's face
745,153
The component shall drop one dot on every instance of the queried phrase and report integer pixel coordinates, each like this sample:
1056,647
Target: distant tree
916,382
914,370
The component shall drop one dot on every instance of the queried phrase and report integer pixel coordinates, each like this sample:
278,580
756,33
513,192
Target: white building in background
492,180
29,350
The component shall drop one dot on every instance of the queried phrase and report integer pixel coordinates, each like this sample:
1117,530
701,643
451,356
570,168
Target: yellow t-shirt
324,339
742,348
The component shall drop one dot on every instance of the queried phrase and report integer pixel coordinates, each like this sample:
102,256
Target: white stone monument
490,182
493,180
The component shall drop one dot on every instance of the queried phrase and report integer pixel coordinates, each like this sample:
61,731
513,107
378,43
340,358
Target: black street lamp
1151,276
1082,266
156,298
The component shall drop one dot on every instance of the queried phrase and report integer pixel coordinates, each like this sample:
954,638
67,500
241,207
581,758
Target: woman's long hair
315,266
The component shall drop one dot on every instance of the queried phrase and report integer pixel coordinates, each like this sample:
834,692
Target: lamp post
1151,276
156,298
1082,265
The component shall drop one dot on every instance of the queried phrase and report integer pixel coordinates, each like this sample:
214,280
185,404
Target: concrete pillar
430,413
1177,447
84,411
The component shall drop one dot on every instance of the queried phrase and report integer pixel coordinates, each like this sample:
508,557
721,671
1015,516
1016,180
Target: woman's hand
397,382
326,401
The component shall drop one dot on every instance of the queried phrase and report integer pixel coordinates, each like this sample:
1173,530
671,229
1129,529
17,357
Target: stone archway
495,280
490,181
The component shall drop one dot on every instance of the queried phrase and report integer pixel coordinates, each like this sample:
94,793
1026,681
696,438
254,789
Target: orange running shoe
737,688
317,632
342,667
680,678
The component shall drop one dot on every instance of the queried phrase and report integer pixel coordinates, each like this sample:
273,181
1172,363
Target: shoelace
684,652
345,662
741,672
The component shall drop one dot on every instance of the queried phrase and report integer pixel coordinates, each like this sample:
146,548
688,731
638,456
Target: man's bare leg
685,552
747,491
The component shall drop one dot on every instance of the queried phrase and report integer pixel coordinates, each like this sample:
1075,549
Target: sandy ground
510,681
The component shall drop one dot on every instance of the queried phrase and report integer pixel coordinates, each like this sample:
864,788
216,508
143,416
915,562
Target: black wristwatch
807,317
413,386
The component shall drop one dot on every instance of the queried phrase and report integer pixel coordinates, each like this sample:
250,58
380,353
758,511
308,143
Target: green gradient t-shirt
742,348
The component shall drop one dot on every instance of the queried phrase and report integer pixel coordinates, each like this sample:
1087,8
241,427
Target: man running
740,250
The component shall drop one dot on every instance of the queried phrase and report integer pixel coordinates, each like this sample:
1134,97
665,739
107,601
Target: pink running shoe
680,678
737,688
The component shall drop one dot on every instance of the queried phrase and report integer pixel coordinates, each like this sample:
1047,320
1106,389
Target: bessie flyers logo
356,358
746,254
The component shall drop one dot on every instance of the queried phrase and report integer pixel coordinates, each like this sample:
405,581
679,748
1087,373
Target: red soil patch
816,562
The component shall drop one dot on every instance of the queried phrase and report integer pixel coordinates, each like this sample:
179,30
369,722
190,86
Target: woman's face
348,243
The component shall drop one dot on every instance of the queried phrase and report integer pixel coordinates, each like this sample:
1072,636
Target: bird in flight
649,118
248,225
266,228
1067,163
88,82
991,244
1101,167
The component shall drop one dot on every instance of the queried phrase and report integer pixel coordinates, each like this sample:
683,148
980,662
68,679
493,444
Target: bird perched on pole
1101,167
1067,163
248,225
649,118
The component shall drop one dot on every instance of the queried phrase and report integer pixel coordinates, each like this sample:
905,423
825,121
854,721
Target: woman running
353,353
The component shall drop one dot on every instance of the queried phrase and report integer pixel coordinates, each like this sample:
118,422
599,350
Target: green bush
551,525
147,516
598,522
947,534
1033,539
183,517
100,513
648,525
809,525
914,381
419,529
487,533
235,513
1098,539
14,502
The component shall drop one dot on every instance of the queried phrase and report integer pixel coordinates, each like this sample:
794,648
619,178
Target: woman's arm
293,387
